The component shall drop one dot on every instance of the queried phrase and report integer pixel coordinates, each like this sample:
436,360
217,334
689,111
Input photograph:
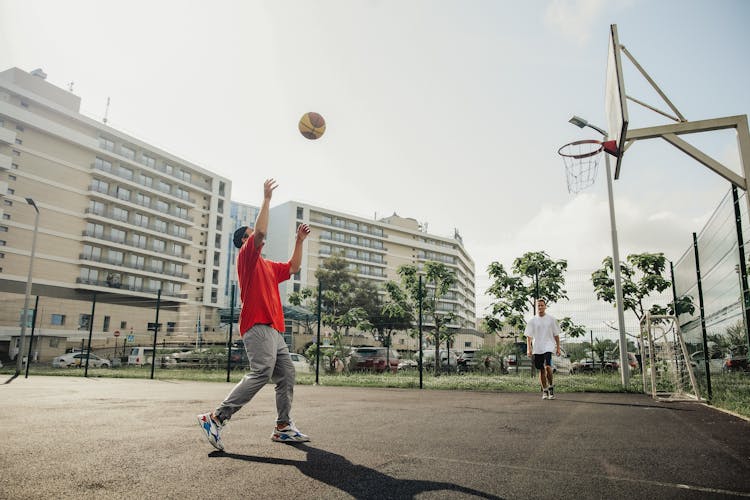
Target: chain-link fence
712,274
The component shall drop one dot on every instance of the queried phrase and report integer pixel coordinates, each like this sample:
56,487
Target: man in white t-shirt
542,336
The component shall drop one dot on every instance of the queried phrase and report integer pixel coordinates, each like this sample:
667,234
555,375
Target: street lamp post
624,371
19,361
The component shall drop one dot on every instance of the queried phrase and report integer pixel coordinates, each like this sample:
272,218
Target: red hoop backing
578,149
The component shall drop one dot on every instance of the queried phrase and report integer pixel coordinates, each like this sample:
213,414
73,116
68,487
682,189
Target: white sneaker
551,391
545,394
211,429
288,434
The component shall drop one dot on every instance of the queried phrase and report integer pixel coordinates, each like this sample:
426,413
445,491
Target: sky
450,112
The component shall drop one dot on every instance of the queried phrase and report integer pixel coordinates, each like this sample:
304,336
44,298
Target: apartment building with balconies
374,250
119,218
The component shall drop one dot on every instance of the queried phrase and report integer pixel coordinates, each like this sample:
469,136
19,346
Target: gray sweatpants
269,359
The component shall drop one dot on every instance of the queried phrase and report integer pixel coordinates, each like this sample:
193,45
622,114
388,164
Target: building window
164,187
123,194
11,191
11,177
145,180
138,240
19,141
127,152
96,207
116,257
84,321
300,212
162,206
143,199
8,203
92,253
159,245
105,143
58,319
160,225
157,266
123,324
95,230
137,261
2,243
105,326
117,235
125,173
168,168
140,219
89,275
148,161
120,214
99,186
6,216
170,326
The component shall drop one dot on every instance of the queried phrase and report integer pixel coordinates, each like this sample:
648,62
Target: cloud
579,232
574,18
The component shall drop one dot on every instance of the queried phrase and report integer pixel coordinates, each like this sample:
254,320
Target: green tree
437,280
642,275
534,275
341,305
396,312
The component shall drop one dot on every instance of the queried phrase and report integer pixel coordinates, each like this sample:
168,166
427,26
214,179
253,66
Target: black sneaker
551,391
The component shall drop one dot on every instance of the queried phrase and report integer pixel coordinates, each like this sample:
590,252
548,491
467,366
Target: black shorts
541,360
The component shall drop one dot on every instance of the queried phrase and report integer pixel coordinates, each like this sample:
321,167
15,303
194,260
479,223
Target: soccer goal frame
664,355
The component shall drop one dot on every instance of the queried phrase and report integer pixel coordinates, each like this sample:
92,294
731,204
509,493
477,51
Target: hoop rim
596,151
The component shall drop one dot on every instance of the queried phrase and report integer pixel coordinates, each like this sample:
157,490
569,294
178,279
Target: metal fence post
743,264
156,331
706,357
231,324
91,332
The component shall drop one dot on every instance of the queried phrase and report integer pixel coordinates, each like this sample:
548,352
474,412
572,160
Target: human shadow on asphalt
357,480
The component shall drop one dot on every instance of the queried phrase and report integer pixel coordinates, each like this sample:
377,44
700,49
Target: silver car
78,359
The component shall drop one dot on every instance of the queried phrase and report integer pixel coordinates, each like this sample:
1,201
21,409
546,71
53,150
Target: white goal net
667,370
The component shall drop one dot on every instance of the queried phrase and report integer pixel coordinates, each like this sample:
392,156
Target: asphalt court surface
124,438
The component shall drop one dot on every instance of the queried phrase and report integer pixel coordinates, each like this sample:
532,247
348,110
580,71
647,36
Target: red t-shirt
259,288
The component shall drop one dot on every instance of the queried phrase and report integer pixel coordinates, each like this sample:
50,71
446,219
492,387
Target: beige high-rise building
374,250
118,218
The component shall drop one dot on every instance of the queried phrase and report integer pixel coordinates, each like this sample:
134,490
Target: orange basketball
312,125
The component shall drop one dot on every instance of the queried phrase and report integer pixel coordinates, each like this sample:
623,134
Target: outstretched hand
268,188
303,231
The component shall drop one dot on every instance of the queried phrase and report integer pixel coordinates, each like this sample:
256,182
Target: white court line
600,476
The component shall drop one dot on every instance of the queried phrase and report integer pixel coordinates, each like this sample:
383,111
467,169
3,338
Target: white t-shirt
542,330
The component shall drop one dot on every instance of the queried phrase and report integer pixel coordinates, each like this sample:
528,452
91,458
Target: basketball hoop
581,161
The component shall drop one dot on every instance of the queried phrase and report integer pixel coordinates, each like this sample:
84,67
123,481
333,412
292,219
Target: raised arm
261,222
296,261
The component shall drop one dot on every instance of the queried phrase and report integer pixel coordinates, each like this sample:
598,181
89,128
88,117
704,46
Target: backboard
615,105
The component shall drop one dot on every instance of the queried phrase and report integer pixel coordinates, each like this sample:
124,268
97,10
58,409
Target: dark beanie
238,235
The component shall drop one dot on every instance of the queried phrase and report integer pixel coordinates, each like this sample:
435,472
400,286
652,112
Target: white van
140,356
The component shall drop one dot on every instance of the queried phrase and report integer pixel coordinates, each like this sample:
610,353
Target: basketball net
581,162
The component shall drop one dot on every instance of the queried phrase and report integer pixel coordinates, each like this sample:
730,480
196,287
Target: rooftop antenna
106,111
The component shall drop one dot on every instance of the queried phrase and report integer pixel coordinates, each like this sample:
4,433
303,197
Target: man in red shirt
261,324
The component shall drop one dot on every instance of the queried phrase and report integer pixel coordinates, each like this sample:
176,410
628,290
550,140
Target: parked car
588,365
78,359
736,363
517,362
715,362
378,359
408,364
448,359
301,364
468,361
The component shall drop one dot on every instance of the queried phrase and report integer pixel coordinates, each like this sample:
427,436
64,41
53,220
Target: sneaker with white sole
211,429
288,434
545,393
551,391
